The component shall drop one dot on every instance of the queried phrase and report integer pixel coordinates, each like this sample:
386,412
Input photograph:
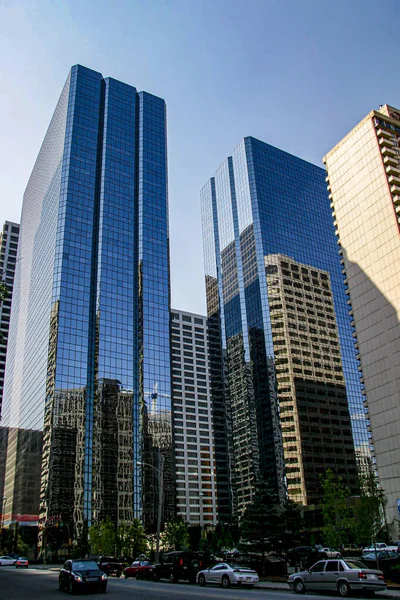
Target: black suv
179,565
110,566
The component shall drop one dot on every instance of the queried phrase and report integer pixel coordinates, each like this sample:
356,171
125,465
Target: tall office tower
314,413
89,357
364,185
262,202
8,256
192,420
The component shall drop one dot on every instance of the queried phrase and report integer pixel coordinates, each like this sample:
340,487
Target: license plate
92,578
249,578
372,576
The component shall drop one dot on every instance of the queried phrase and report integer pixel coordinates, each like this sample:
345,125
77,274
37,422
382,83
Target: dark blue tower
89,341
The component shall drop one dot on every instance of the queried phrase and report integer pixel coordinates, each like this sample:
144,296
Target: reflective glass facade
91,316
8,256
263,201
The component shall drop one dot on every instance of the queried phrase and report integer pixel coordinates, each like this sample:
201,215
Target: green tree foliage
103,538
336,510
370,510
176,535
262,527
132,540
293,526
221,538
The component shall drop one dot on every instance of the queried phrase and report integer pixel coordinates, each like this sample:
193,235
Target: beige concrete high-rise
364,185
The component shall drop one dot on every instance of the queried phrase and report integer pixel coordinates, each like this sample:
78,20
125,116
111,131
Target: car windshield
145,563
22,558
355,564
84,565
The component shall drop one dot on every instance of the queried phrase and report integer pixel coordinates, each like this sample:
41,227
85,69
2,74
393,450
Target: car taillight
362,575
380,576
181,561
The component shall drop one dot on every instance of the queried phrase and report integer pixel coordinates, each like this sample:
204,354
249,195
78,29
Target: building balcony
395,189
385,142
394,169
388,151
390,160
394,179
396,199
383,133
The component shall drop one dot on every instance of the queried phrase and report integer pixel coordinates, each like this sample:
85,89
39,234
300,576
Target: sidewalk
393,589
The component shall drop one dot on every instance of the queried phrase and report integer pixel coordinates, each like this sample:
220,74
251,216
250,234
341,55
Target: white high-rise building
364,186
192,421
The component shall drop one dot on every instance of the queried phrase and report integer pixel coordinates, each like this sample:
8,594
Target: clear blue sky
298,74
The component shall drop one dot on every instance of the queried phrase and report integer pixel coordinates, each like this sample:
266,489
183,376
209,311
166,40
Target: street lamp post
3,508
160,473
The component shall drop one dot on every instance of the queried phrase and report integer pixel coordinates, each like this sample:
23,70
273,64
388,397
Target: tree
293,520
132,540
221,538
337,514
370,511
262,527
176,535
103,538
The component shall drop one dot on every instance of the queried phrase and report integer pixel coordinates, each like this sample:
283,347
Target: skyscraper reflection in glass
89,358
279,344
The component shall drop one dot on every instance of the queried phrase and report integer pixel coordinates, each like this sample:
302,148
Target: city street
38,584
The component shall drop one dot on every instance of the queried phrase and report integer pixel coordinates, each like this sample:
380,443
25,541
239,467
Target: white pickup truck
380,546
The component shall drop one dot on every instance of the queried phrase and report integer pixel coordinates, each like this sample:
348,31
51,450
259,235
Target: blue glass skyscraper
271,266
89,358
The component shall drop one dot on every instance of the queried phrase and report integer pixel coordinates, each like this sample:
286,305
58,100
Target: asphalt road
37,584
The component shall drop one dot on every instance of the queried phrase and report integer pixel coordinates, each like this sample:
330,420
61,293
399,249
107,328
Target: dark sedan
80,575
141,569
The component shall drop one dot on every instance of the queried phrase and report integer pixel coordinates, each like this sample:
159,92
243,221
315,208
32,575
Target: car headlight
104,576
78,578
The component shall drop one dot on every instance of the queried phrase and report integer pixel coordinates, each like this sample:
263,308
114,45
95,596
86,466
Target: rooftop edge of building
383,110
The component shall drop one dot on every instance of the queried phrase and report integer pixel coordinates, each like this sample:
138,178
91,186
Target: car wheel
138,576
202,580
299,586
60,585
103,589
71,588
126,576
156,577
343,588
172,578
225,581
338,555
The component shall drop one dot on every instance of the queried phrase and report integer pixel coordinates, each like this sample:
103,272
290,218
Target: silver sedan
226,575
343,576
6,561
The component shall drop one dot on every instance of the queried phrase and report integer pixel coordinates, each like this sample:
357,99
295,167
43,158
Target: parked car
351,550
22,562
343,576
303,557
141,569
6,561
380,546
82,575
329,553
386,559
178,565
111,566
226,575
